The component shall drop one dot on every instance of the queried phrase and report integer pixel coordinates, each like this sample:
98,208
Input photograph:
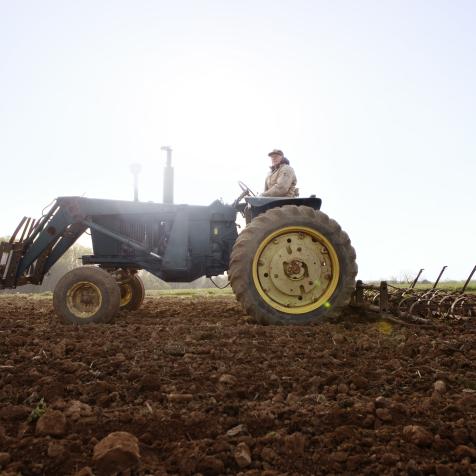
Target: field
206,391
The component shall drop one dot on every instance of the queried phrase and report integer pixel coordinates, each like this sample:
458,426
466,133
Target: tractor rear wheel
293,265
86,295
132,293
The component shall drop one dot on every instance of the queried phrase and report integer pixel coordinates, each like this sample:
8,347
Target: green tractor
292,264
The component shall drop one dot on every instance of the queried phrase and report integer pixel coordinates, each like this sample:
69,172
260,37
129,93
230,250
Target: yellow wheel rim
296,270
84,299
126,294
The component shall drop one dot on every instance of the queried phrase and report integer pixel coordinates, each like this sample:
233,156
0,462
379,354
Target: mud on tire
293,265
86,295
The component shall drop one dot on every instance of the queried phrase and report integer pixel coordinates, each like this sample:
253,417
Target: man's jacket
281,182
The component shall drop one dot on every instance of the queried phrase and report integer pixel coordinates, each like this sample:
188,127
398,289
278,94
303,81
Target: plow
417,305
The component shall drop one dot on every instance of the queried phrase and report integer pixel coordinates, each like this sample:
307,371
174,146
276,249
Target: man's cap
276,152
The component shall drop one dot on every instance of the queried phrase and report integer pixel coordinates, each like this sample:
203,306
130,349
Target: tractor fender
259,205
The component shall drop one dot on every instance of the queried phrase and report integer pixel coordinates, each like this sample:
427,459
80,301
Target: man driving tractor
281,180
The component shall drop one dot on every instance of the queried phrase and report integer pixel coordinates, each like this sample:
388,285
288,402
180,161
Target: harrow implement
415,304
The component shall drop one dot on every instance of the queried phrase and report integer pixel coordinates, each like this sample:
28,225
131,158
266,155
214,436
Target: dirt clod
384,414
180,397
4,459
77,410
56,449
390,459
268,454
118,451
227,379
440,386
417,435
52,423
211,465
3,435
295,444
463,451
236,430
382,402
242,455
444,470
86,471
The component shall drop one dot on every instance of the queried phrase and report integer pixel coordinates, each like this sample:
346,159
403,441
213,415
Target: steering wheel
246,191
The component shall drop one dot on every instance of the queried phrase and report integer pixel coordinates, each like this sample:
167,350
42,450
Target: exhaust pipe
135,169
168,177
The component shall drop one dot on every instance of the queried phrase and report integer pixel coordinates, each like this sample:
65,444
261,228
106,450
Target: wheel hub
297,269
84,299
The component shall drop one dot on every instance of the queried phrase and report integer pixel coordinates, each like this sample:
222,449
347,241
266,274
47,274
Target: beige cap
276,152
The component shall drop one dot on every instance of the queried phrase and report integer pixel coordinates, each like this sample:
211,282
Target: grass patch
445,286
199,292
37,412
42,295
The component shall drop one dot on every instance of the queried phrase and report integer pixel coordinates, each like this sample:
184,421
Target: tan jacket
281,183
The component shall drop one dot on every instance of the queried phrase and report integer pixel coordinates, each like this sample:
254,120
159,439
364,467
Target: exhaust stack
135,169
168,177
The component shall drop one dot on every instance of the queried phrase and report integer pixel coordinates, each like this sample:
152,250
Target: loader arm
36,245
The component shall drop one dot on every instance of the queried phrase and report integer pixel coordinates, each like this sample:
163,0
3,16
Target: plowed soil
199,384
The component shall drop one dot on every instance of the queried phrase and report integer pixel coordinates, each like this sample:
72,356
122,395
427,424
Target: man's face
276,159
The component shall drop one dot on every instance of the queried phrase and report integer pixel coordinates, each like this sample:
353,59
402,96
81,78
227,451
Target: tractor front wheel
86,295
293,265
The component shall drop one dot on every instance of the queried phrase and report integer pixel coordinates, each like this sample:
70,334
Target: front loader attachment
36,245
11,252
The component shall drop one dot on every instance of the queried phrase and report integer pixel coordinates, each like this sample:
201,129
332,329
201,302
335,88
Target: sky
372,101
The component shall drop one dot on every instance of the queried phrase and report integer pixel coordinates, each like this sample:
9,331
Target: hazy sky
372,101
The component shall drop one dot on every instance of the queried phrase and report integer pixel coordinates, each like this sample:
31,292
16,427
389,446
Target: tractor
291,264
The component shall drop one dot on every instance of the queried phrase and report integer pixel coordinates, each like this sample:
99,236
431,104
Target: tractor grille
134,231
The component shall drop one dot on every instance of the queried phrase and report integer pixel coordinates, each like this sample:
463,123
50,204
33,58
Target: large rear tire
132,293
293,265
86,295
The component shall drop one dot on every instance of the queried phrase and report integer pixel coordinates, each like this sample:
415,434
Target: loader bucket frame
36,245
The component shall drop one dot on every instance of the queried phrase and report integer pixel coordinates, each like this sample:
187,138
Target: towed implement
292,264
417,305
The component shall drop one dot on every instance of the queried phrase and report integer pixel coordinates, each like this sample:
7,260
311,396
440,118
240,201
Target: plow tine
439,277
468,280
417,278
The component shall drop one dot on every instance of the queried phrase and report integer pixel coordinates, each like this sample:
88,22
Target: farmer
281,180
